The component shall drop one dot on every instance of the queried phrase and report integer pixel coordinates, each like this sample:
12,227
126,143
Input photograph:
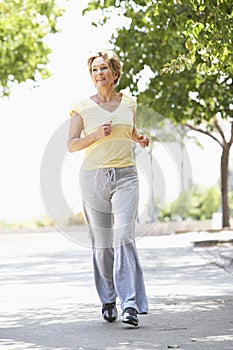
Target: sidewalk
48,299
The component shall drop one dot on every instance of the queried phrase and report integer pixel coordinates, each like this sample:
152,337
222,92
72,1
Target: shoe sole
130,322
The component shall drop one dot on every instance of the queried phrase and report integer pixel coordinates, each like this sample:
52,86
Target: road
48,299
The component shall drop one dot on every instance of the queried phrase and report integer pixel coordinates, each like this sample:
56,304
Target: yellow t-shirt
115,150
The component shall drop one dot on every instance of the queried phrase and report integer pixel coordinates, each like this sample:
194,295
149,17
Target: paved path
48,300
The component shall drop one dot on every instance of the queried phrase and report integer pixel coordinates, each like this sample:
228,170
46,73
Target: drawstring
111,174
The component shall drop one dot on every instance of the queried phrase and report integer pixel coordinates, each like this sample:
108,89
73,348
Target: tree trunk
224,186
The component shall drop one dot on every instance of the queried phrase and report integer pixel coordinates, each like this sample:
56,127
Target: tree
187,47
23,26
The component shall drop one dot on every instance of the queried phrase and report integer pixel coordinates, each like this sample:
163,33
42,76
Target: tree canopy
23,26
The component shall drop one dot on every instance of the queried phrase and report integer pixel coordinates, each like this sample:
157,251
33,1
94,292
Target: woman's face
101,73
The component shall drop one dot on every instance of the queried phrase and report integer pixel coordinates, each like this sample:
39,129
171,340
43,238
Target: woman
104,125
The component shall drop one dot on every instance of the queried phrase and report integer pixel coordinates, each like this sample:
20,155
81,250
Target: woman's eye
101,68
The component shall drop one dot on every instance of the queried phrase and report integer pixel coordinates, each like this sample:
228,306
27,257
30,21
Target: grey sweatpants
110,200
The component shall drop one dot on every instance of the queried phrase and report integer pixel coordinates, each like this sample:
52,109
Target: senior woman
105,126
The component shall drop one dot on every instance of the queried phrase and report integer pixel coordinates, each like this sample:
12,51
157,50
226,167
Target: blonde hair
111,58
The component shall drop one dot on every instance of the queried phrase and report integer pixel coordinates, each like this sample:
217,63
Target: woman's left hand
143,141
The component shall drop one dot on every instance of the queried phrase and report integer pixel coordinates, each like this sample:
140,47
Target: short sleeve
132,101
78,108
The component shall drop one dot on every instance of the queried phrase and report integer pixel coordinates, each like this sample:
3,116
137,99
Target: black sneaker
109,312
130,317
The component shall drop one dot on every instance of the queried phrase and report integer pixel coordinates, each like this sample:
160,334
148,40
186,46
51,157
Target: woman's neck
104,95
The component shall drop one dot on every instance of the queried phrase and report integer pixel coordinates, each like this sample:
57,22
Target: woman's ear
116,76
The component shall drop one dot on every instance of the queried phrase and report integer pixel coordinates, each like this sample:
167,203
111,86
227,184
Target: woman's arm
76,142
143,140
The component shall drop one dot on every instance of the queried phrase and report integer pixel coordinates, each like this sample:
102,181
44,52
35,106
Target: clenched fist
143,141
103,130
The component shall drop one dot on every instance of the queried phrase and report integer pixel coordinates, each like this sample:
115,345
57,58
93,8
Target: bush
204,202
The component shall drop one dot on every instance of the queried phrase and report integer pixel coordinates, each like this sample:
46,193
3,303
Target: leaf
189,44
23,53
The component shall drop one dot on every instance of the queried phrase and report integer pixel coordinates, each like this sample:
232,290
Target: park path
48,300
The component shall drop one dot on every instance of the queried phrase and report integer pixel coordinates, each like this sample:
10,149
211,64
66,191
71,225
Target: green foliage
76,219
176,209
23,26
44,222
31,224
204,202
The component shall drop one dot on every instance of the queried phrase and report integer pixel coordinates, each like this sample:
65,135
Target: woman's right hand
103,131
